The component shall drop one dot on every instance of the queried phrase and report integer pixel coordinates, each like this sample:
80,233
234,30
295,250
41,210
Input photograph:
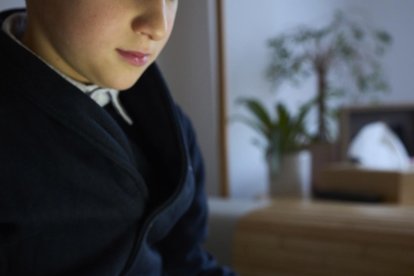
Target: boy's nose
153,21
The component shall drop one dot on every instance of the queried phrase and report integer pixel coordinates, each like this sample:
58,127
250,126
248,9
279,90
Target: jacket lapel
38,83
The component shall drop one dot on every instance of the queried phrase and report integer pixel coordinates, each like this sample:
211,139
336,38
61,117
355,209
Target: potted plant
344,57
285,140
344,49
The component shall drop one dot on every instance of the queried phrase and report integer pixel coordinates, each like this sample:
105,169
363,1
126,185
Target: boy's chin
123,86
122,83
125,79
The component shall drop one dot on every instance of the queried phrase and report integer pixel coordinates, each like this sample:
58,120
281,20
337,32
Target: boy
95,181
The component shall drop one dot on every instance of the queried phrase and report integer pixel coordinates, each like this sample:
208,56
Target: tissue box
350,182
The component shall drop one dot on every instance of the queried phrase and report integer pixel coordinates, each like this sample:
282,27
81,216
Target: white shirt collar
15,25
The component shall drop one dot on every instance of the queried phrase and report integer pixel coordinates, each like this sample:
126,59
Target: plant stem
321,101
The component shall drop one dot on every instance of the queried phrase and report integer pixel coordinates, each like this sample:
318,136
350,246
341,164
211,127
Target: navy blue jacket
72,199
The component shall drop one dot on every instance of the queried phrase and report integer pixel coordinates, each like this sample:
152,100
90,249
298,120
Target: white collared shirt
15,25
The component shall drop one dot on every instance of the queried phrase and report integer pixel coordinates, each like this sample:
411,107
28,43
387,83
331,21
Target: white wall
5,4
250,24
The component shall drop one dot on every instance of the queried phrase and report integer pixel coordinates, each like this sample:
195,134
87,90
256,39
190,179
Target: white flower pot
293,177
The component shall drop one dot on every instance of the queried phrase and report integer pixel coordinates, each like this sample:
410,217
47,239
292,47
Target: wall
5,4
249,25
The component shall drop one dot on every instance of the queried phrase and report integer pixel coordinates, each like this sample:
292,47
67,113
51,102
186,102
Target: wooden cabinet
367,184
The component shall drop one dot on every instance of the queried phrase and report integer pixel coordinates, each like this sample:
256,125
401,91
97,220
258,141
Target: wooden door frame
224,188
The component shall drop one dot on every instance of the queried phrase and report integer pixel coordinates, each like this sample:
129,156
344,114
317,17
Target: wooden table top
318,238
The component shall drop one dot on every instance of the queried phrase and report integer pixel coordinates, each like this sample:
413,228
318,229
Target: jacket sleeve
182,249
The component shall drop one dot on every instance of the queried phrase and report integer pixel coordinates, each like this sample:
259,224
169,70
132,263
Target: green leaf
261,120
257,109
255,125
383,36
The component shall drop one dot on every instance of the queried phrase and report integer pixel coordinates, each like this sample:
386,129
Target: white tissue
377,147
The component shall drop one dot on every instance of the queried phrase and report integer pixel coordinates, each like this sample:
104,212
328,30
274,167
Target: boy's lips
133,57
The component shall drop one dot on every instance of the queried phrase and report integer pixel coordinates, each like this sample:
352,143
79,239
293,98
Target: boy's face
106,42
